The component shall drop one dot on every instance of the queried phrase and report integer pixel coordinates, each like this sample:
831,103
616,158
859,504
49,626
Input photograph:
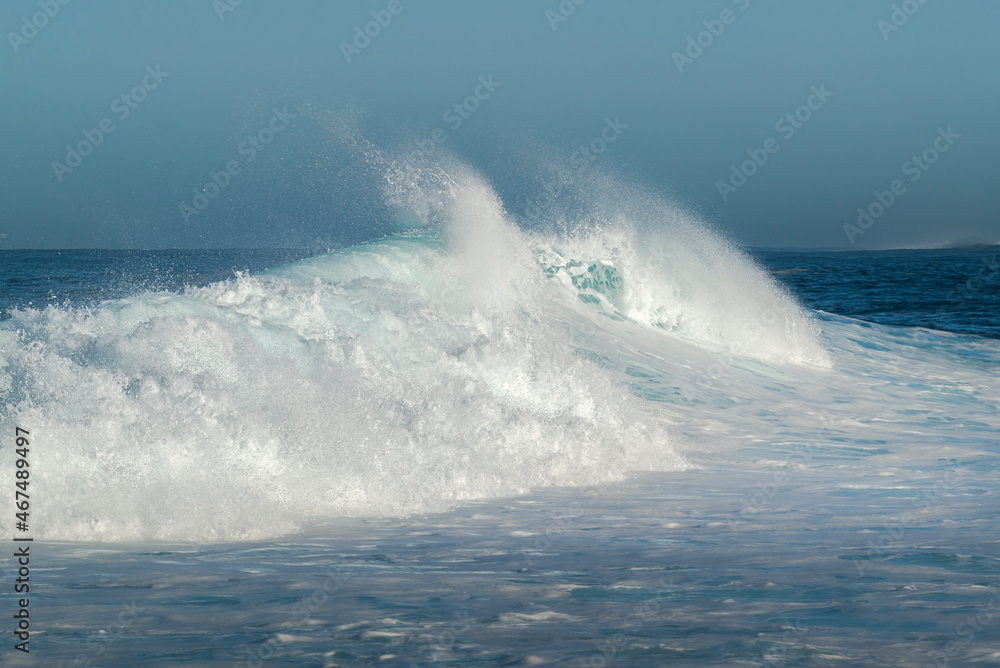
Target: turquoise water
623,443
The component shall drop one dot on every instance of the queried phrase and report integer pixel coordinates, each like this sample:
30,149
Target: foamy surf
400,376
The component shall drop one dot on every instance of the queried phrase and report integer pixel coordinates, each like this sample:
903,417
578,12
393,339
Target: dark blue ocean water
837,514
950,290
38,278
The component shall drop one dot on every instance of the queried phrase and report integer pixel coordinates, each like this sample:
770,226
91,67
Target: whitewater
606,438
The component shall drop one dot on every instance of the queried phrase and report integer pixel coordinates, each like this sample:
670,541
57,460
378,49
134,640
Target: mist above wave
399,376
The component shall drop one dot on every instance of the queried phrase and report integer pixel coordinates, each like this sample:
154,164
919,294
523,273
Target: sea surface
621,442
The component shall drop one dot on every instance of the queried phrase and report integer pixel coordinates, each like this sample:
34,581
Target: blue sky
836,106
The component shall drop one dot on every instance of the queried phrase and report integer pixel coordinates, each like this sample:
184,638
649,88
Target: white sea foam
457,361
